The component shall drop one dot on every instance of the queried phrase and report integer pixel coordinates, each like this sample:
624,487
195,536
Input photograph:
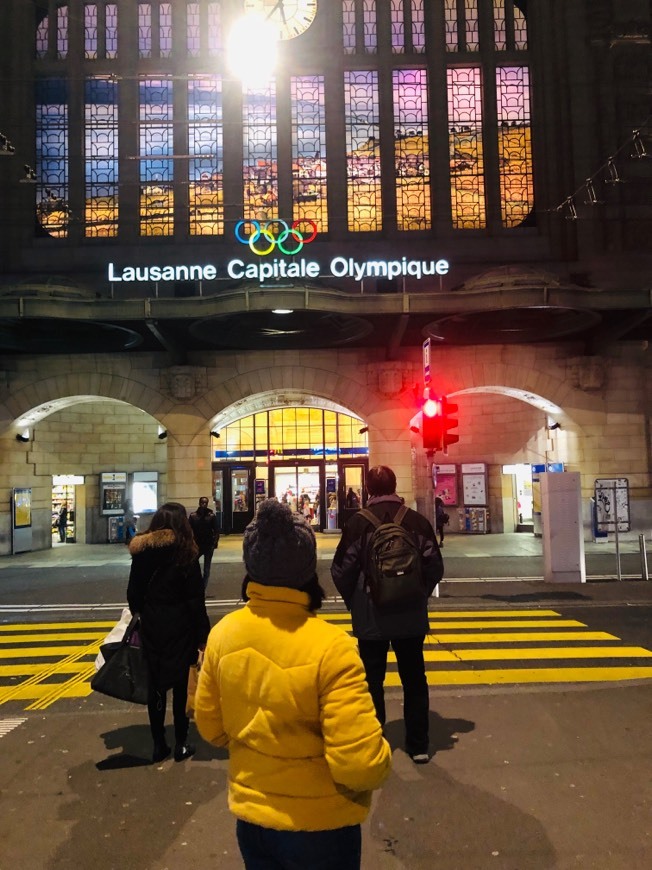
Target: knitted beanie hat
279,548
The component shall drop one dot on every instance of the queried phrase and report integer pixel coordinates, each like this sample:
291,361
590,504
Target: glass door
242,511
301,487
351,495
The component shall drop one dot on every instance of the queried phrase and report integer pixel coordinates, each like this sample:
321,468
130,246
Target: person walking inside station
166,590
441,519
379,623
206,530
286,692
62,523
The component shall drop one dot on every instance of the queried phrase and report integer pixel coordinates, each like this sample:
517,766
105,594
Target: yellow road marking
456,614
529,675
577,652
18,691
48,626
70,667
63,690
518,636
51,636
511,623
38,652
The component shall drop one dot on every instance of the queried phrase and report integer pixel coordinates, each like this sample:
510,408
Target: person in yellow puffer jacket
286,692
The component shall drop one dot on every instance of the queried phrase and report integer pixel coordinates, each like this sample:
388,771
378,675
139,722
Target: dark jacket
205,529
170,601
348,565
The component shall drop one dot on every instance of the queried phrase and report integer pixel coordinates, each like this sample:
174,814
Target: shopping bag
125,674
113,639
193,679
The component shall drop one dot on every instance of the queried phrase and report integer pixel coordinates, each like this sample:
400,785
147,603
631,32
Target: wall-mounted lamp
215,433
30,175
6,147
162,433
363,430
24,436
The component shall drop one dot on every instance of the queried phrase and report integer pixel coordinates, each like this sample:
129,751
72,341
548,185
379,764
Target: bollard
641,545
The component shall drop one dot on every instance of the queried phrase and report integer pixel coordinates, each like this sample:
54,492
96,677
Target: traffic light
448,422
432,431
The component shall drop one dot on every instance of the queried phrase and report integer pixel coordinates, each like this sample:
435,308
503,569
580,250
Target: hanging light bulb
590,189
612,169
569,202
639,146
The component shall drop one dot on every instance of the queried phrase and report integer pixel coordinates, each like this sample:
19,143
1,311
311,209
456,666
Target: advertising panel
113,491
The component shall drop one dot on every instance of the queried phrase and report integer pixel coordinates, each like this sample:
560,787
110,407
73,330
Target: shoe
160,753
183,751
420,758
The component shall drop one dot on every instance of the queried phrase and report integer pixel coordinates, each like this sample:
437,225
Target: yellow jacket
286,691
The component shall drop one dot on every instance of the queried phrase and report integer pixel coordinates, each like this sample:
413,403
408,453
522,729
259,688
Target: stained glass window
397,13
260,166
214,30
418,26
165,29
156,164
465,147
111,30
52,152
520,26
101,157
42,37
500,36
62,32
206,150
90,30
193,30
451,25
348,26
412,166
369,26
309,190
362,119
471,25
145,29
514,144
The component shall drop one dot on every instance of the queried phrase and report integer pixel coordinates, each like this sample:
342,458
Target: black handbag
125,674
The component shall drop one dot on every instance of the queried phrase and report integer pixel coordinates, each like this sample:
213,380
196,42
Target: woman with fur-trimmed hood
167,590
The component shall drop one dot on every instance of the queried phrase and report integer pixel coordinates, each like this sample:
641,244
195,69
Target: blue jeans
265,849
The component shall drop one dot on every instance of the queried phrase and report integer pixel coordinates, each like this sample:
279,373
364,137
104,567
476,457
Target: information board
612,504
474,483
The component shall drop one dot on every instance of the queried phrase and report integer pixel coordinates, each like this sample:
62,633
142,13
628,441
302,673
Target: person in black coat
404,628
167,590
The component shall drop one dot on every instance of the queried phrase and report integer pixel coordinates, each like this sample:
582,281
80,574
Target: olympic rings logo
276,234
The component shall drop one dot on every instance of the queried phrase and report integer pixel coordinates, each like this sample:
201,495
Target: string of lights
609,174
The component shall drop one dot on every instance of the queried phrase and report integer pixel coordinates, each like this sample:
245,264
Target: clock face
289,18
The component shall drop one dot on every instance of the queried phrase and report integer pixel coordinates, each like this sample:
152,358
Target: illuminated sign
339,267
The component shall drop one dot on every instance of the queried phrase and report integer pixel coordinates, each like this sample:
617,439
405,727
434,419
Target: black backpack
394,571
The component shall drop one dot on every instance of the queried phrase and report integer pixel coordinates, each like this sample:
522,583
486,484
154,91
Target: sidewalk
480,571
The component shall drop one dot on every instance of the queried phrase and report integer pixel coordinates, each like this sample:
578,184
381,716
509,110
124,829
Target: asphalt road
523,777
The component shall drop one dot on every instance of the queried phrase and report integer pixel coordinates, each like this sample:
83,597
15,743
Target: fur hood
152,541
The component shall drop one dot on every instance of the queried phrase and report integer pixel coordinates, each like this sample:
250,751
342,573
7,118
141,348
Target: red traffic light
431,408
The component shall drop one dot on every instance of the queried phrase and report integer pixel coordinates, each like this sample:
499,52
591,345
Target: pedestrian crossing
512,647
42,663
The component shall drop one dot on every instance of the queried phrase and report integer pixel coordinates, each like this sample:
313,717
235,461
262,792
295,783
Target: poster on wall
445,483
113,491
22,502
612,504
474,483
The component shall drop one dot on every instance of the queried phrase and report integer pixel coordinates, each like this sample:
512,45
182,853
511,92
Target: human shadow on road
135,741
425,818
443,732
128,816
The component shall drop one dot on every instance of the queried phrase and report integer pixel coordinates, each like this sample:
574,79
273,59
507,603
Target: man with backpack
386,566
